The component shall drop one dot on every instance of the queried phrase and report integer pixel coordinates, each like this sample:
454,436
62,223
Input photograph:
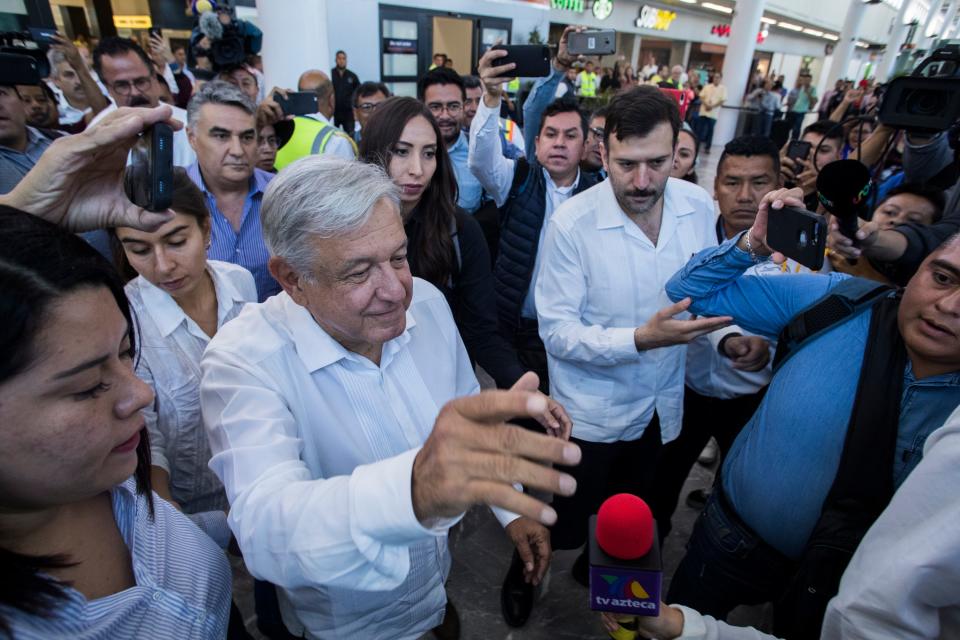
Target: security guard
587,81
304,136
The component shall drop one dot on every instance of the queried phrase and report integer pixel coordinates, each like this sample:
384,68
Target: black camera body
14,69
928,100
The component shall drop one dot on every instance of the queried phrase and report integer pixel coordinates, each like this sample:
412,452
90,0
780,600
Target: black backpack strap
845,301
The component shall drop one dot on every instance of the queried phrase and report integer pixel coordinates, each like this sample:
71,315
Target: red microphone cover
625,527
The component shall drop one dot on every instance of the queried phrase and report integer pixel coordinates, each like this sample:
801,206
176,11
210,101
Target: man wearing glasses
127,73
592,160
443,92
365,101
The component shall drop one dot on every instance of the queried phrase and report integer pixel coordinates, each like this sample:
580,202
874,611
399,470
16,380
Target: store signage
568,5
723,31
398,45
602,9
653,18
132,22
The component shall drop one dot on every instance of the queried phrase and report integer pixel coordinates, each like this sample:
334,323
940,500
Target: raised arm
485,157
542,93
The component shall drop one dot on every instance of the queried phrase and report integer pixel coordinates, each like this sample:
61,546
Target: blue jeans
727,564
704,130
795,118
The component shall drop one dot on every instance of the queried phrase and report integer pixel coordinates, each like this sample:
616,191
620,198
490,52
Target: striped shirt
182,583
246,247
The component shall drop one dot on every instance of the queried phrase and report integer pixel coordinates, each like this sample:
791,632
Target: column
892,51
737,62
948,20
686,55
294,39
635,60
931,15
843,52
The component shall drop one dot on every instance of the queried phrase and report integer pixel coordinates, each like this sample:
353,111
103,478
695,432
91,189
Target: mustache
139,101
641,193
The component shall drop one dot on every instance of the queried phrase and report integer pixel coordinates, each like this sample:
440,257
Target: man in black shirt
345,82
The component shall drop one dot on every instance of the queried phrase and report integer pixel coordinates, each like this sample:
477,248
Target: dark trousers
795,118
344,119
703,127
605,469
703,417
531,352
727,564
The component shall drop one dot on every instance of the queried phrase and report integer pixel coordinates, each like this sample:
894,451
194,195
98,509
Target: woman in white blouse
180,300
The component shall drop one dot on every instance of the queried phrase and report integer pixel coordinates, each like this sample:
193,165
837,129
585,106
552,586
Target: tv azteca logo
625,592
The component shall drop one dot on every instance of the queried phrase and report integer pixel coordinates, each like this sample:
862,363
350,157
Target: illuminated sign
567,5
723,31
653,18
602,9
132,22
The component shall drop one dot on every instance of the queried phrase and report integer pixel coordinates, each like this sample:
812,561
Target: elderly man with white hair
334,427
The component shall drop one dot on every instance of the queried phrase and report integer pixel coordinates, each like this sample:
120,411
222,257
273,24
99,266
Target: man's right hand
493,77
474,457
663,330
269,110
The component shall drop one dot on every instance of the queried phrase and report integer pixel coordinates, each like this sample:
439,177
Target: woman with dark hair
446,246
84,550
685,160
180,300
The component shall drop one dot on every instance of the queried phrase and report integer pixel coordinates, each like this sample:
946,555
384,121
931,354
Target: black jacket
471,298
343,88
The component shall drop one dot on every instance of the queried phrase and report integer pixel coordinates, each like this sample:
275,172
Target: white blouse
170,345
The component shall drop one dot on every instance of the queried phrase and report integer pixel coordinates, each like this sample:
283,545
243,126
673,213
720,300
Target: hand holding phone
798,234
531,60
297,103
148,179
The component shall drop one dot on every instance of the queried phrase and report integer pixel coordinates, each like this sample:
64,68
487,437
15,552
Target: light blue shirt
784,461
246,247
469,189
182,586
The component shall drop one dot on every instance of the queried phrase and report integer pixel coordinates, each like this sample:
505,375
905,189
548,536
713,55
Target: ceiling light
862,44
716,7
789,26
831,36
813,32
766,20
689,1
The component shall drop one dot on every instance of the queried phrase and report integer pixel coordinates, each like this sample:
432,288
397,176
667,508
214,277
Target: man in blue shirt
782,465
222,130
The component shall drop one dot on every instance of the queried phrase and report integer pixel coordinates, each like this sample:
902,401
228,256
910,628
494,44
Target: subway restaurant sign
656,19
568,5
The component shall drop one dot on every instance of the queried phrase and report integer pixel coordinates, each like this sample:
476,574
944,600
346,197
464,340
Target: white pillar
948,20
892,51
933,13
843,52
635,60
294,39
737,62
686,55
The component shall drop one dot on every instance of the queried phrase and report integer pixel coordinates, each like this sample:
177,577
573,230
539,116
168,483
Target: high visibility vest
513,86
309,137
588,84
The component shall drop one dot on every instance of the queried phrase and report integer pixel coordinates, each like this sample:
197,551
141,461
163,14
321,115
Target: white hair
320,196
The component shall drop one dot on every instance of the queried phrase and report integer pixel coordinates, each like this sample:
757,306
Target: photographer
790,464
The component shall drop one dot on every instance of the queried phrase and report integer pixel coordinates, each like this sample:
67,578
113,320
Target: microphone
843,187
626,570
210,25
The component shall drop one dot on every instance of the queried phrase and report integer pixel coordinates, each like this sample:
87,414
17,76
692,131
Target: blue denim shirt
783,463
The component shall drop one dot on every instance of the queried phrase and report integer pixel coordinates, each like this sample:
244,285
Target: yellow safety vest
588,84
309,137
513,86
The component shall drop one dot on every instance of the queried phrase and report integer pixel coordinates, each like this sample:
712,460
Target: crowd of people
282,367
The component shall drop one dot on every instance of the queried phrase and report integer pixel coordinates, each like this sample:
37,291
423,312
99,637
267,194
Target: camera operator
892,377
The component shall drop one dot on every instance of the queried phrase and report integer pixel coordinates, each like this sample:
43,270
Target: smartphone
532,60
600,42
156,31
298,103
43,36
799,149
798,234
148,178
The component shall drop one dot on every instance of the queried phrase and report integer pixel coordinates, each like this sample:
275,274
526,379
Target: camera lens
924,102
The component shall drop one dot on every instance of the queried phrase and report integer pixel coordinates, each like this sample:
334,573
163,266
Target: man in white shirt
608,325
128,75
333,426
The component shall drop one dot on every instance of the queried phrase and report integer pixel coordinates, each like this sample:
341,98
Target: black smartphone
799,149
148,178
532,60
600,42
298,103
798,234
43,36
156,31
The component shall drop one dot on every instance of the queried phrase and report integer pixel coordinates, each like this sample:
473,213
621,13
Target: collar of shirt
611,215
319,117
564,191
34,139
461,145
317,349
168,315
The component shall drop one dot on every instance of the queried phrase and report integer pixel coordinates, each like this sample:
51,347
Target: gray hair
320,196
218,92
55,57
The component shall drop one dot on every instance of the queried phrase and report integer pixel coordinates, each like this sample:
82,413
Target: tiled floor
482,552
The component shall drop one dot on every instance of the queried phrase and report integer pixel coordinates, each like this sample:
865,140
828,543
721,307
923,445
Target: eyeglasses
453,108
123,87
597,131
367,107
